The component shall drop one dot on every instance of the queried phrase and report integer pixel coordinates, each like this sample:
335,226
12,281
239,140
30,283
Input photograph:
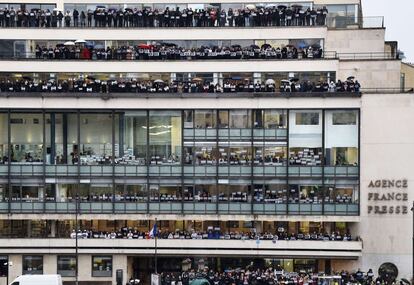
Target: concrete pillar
53,229
29,228
220,78
216,76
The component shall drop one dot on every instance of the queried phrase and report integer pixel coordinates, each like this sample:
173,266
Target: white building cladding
339,161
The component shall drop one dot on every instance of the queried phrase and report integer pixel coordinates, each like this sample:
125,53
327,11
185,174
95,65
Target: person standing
75,15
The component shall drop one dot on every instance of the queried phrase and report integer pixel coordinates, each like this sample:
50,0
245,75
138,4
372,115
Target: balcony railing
30,56
179,207
333,22
108,96
221,247
178,170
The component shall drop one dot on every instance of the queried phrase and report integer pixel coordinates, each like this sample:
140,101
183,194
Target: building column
52,229
29,228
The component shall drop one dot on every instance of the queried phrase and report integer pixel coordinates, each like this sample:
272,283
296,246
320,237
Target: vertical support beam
9,152
182,162
113,159
65,138
44,158
52,138
323,162
251,160
147,159
287,160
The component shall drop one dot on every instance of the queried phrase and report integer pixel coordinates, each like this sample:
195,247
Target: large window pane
165,137
341,137
101,266
305,138
32,264
66,266
135,138
96,138
26,138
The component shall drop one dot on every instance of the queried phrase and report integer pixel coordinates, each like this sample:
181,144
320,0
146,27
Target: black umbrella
281,6
351,78
236,46
296,6
265,46
91,77
254,46
27,78
405,281
294,79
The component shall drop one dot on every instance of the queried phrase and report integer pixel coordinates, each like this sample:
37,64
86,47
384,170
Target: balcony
282,248
180,207
207,169
202,66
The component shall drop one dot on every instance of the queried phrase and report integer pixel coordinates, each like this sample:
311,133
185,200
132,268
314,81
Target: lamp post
8,264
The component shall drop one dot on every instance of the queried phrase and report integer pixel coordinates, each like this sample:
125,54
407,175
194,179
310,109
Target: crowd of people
250,16
172,52
197,85
269,276
213,233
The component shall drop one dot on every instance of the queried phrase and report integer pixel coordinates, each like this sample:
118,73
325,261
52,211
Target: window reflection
134,139
95,139
165,137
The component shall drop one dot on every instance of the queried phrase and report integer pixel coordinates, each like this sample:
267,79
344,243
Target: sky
399,22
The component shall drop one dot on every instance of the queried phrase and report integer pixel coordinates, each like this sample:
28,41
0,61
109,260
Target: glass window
344,118
32,264
130,193
95,139
101,266
274,119
26,138
341,138
4,266
165,137
310,118
3,139
165,193
240,119
223,119
96,192
66,266
270,193
134,147
205,119
305,138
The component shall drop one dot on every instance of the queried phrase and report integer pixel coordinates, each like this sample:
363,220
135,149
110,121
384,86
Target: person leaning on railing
160,51
92,85
257,16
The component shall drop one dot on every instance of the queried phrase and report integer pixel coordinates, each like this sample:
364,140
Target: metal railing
31,56
131,57
108,96
333,22
179,207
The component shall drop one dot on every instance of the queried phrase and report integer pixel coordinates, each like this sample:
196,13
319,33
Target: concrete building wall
408,71
355,41
372,74
387,152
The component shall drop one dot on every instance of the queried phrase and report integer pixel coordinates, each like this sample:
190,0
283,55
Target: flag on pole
153,233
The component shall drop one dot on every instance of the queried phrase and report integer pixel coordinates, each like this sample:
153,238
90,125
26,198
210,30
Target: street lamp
8,264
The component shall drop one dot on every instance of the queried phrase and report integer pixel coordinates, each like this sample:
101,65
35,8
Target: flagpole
156,238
